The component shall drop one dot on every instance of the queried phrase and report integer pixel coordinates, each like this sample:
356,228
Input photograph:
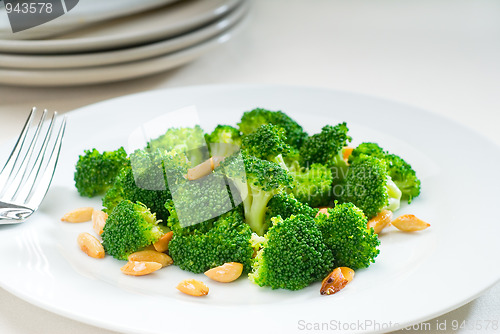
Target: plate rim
74,45
115,72
120,56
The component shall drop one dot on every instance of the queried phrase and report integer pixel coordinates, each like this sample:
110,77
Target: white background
441,55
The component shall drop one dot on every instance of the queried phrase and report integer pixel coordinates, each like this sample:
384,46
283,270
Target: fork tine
14,155
39,190
26,187
18,172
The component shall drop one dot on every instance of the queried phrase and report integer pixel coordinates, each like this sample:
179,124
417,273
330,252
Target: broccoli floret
146,180
226,239
199,200
293,255
326,148
371,149
96,172
313,185
285,205
190,141
256,182
369,187
400,171
344,232
292,159
404,176
267,143
223,141
174,224
252,120
129,228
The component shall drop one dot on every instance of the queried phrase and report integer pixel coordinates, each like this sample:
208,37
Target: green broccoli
404,176
252,120
292,159
174,224
211,244
400,171
326,148
285,205
199,200
313,185
293,255
267,142
129,228
146,180
190,141
96,172
344,232
223,141
255,182
369,186
371,149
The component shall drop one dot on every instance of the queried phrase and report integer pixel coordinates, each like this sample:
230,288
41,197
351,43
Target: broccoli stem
340,168
394,195
280,161
255,217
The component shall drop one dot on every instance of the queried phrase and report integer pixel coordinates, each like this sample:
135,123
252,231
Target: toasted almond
409,223
336,281
79,215
90,245
193,287
140,268
204,169
323,210
216,160
380,221
98,220
151,256
226,273
201,170
346,152
162,244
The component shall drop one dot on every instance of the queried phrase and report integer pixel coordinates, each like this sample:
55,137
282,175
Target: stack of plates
117,46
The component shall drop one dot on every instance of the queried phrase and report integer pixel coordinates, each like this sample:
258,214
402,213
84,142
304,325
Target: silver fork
27,174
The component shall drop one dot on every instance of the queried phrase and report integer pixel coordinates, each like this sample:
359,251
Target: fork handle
11,213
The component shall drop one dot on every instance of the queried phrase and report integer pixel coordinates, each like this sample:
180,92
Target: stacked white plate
88,46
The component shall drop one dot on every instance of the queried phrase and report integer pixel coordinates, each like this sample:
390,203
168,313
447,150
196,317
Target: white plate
132,30
417,276
85,13
112,73
123,55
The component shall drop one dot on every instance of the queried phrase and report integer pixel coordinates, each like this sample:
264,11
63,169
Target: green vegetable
130,227
313,185
326,148
369,187
267,142
285,205
96,172
199,200
146,180
252,120
371,149
344,232
293,255
401,172
211,244
223,141
256,181
190,141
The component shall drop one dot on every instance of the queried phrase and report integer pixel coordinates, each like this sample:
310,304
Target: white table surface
441,55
